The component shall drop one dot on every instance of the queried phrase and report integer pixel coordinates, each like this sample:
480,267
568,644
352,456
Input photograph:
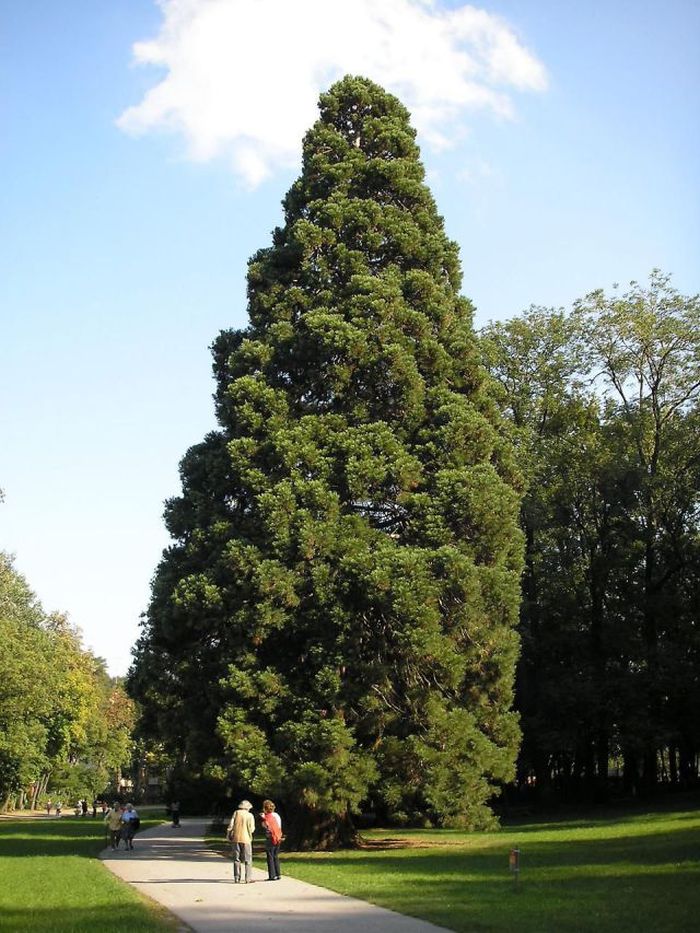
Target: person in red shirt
272,824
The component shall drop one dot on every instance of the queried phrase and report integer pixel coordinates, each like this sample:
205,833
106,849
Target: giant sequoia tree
334,622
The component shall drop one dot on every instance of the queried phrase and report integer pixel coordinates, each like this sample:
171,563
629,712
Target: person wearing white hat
240,835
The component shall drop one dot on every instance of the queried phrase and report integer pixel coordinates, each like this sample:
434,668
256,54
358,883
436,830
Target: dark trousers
115,835
272,854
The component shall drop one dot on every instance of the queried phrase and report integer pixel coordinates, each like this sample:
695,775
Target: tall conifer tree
335,619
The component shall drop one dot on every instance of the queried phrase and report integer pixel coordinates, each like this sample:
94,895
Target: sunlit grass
51,880
625,874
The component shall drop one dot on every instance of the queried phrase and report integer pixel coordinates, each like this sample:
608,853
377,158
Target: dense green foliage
605,403
51,880
64,724
610,874
334,623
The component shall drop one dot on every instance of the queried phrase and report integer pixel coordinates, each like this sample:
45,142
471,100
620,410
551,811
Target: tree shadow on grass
20,838
605,816
483,897
625,883
581,903
420,838
660,847
94,919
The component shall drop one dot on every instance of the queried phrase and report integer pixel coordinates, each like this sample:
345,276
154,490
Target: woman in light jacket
240,833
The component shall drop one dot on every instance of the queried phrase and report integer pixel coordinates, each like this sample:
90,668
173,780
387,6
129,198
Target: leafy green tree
27,684
97,719
582,556
533,361
645,347
335,619
604,404
63,724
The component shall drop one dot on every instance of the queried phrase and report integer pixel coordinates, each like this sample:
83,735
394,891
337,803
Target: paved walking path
175,868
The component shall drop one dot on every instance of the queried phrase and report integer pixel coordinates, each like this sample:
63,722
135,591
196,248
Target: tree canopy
334,622
60,731
606,402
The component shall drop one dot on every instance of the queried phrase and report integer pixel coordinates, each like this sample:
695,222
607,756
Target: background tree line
604,405
65,725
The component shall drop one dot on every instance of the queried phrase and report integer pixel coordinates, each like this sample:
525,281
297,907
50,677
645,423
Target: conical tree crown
358,292
348,541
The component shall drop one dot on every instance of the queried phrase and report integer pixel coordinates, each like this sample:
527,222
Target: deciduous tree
604,403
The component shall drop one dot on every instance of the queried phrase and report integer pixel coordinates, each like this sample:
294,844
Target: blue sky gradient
120,259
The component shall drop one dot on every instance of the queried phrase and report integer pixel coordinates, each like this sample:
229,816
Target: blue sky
567,161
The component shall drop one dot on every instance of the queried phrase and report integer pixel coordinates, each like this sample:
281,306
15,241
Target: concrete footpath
175,868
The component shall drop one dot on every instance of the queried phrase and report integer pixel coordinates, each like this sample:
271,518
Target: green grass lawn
51,880
634,872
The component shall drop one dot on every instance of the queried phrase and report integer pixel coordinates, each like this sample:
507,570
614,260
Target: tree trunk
687,766
602,759
313,830
598,654
651,639
528,688
630,775
40,789
650,769
673,765
584,773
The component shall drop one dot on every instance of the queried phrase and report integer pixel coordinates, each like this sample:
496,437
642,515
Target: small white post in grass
514,863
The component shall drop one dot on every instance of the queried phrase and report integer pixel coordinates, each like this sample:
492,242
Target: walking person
175,813
114,825
240,833
59,807
48,807
272,824
130,823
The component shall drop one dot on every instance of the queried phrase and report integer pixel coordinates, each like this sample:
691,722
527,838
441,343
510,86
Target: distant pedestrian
114,825
48,807
59,807
175,812
94,809
130,823
240,834
84,806
272,824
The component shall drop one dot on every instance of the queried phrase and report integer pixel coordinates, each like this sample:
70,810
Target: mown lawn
623,874
50,880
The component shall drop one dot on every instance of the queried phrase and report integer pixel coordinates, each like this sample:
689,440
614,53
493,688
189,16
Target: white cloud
477,172
243,76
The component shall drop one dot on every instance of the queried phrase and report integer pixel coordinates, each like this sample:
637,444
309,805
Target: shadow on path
175,868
